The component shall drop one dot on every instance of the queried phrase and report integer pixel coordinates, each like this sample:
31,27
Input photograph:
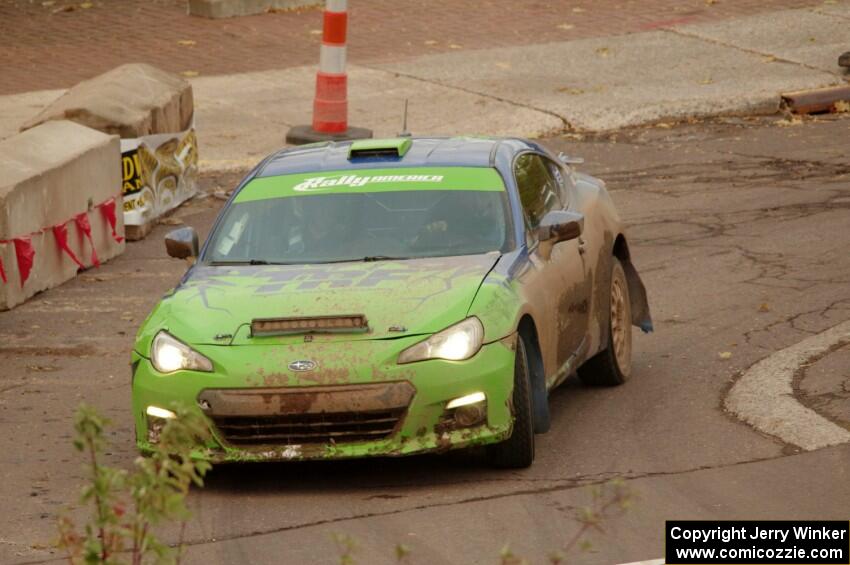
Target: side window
561,181
538,190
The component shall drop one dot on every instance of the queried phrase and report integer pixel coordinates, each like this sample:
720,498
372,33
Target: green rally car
391,297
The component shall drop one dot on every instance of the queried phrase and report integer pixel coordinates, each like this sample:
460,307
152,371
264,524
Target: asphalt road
740,231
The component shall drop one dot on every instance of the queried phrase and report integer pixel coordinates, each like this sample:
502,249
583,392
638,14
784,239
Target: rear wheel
517,451
613,365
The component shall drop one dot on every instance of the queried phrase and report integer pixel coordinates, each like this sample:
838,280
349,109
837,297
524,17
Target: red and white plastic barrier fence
25,252
330,106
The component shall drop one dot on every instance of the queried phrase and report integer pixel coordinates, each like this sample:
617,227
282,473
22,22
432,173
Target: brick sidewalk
44,46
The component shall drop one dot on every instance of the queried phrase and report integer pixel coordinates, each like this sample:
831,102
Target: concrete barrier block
48,175
231,8
131,101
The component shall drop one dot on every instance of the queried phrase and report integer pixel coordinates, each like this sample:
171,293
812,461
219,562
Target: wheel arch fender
504,310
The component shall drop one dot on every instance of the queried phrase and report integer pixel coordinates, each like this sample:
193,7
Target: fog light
470,415
466,400
157,417
158,412
466,411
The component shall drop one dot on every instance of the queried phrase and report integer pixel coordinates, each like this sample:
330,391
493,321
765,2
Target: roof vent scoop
383,148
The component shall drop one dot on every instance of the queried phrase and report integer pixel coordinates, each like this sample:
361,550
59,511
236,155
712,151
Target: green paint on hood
372,180
419,295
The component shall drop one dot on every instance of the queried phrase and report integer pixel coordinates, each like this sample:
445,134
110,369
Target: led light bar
313,324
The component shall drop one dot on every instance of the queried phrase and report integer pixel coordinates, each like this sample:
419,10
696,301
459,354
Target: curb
818,100
763,396
216,9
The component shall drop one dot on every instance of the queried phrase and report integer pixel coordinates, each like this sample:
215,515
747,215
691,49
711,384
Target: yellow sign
131,178
158,172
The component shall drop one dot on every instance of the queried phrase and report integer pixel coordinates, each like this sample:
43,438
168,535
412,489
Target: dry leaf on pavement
842,106
43,368
793,121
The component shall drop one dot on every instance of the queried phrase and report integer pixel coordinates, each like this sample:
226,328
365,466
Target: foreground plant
126,506
608,501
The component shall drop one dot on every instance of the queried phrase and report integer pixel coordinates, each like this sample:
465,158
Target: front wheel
613,365
517,452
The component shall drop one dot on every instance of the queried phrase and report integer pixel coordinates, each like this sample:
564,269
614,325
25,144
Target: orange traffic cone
330,105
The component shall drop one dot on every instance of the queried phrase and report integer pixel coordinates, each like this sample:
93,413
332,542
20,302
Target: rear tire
517,452
613,365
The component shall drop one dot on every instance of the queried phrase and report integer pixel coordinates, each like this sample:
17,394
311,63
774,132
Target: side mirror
182,243
560,225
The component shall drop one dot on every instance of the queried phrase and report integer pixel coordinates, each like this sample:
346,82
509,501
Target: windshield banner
372,180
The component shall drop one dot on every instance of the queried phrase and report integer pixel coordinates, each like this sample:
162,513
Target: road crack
772,56
567,126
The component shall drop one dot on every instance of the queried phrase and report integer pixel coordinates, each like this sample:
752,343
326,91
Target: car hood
215,304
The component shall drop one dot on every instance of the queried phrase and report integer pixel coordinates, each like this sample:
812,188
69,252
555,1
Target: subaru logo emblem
302,365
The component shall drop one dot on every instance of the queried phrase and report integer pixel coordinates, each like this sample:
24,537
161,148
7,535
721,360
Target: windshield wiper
371,258
367,259
247,262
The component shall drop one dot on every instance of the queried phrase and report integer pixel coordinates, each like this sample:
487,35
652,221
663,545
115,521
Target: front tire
517,452
613,365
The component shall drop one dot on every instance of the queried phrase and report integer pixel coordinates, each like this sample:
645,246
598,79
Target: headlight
455,343
168,354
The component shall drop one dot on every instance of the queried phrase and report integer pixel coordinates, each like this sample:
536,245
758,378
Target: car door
559,291
576,268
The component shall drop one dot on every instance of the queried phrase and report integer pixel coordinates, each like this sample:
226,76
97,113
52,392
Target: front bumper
357,403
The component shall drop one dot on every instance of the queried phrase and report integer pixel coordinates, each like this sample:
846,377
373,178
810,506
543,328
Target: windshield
325,228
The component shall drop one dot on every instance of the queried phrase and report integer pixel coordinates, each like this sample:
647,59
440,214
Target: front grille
296,429
332,414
